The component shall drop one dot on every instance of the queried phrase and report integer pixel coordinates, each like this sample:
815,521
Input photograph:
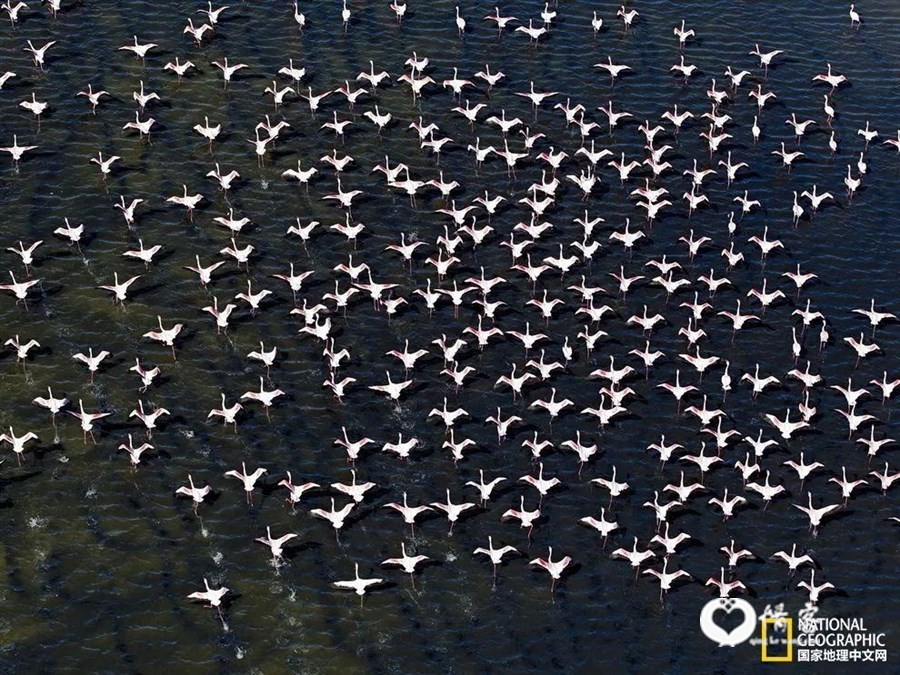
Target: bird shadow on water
7,502
291,551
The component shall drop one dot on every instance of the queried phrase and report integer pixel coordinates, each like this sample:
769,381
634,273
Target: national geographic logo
771,642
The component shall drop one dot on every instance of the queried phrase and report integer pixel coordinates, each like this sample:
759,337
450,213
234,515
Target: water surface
98,558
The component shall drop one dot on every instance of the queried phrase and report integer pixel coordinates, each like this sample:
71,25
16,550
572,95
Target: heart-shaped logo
738,634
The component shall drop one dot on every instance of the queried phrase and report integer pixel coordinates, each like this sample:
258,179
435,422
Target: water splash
37,521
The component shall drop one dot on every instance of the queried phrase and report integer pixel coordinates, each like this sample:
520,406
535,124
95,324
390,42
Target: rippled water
98,558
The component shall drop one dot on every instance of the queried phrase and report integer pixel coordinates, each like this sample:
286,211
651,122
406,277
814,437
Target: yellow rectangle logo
789,656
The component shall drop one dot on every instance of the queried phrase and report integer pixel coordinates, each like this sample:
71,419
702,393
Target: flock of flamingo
569,279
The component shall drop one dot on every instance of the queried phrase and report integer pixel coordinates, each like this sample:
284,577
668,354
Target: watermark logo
777,640
838,639
738,634
818,639
788,626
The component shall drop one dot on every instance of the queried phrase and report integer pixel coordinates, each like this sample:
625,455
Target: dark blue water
99,559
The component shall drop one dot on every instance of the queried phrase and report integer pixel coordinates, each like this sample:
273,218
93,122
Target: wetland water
98,559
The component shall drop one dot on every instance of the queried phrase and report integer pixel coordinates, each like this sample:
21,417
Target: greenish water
98,559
